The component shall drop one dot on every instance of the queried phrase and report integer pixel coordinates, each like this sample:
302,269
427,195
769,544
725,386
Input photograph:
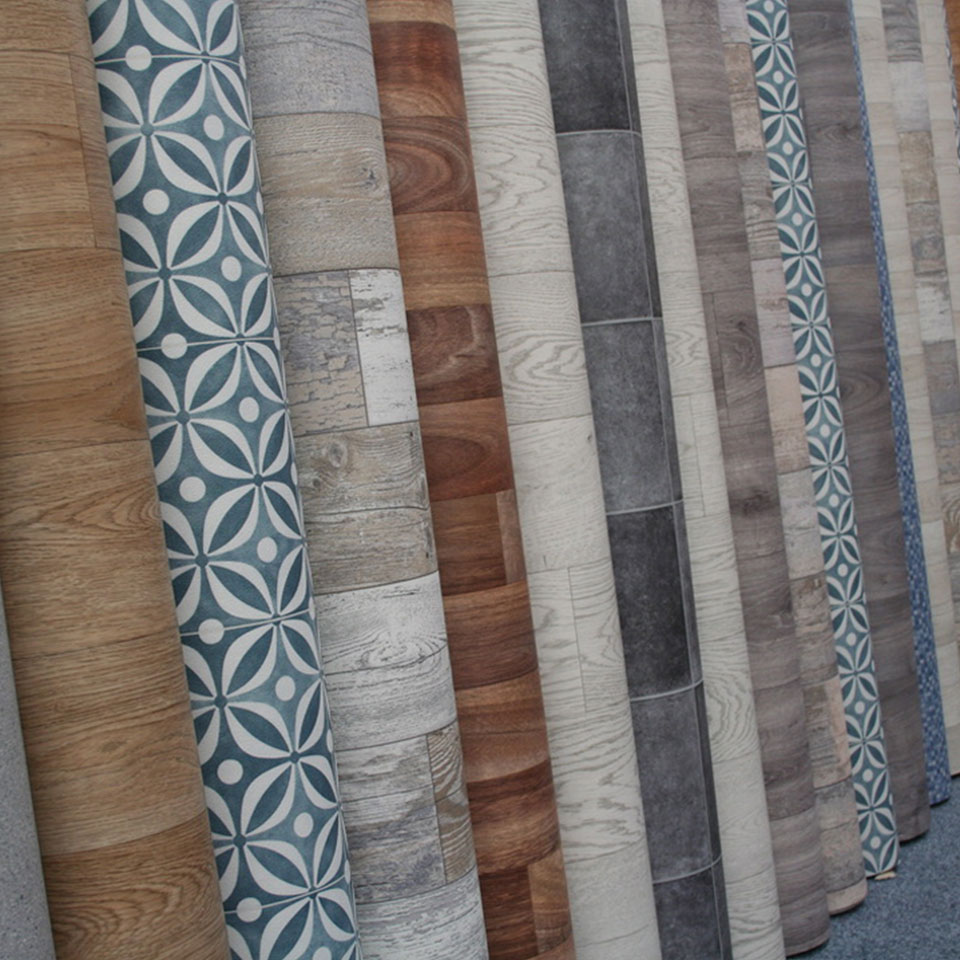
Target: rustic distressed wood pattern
893,206
952,10
470,481
733,335
827,78
361,471
113,764
823,699
590,68
559,492
24,917
751,890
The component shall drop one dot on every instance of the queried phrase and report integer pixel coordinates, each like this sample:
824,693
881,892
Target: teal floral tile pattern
925,649
177,117
813,344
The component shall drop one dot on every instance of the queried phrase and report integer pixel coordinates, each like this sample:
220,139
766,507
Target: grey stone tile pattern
589,62
366,511
24,921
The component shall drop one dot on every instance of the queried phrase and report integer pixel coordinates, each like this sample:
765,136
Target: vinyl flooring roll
175,106
749,876
733,334
589,63
559,491
778,96
823,699
890,182
24,919
826,76
360,464
124,836
470,481
952,9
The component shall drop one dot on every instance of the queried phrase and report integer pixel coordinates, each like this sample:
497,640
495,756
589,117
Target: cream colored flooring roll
879,92
741,803
559,492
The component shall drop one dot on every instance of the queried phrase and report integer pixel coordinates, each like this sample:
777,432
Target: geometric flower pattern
924,645
187,189
788,162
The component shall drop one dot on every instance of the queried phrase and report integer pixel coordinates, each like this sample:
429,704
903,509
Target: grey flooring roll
24,922
590,69
360,458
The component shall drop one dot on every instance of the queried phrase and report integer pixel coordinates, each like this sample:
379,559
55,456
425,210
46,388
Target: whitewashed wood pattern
908,307
748,866
360,459
559,493
827,740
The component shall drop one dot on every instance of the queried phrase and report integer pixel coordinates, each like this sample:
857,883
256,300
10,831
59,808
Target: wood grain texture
605,169
939,86
825,68
361,473
559,491
121,819
713,179
507,770
828,751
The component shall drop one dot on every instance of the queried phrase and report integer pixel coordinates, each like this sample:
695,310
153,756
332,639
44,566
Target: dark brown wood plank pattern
470,481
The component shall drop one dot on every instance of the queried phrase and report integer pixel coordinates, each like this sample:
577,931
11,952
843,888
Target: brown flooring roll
723,258
470,480
828,84
952,8
113,763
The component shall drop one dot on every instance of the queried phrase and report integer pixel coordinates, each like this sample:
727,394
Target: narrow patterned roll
123,830
933,292
183,160
354,413
470,480
559,492
827,736
770,36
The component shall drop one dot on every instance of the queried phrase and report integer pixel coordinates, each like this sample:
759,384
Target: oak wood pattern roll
594,97
120,813
354,415
750,882
559,491
952,10
827,737
906,309
24,919
827,79
470,481
733,334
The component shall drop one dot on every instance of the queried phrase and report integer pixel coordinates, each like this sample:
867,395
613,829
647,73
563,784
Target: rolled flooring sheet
952,9
751,890
175,107
557,475
360,465
733,335
890,183
934,294
590,69
826,77
823,699
120,817
778,97
24,918
470,481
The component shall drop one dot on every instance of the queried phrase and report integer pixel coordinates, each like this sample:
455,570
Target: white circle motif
230,771
285,688
156,201
174,345
249,909
192,489
303,825
230,268
213,127
211,631
249,409
267,549
138,58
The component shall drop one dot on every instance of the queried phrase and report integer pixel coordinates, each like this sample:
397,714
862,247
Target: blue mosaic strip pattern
924,644
787,157
190,212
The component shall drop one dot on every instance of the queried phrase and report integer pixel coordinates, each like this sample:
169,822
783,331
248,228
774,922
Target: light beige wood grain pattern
908,314
113,764
360,458
557,476
827,742
748,866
